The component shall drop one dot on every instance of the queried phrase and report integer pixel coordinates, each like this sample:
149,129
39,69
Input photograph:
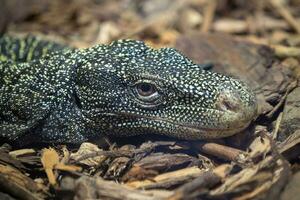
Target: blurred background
83,23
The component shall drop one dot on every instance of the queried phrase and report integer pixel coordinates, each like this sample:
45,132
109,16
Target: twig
284,174
283,11
95,187
290,87
277,125
221,151
168,179
15,190
116,153
209,13
197,186
284,51
230,25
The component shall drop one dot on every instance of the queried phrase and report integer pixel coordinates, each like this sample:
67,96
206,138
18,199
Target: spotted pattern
71,95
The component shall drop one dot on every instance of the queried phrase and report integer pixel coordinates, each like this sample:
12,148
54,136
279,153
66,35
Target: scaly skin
125,88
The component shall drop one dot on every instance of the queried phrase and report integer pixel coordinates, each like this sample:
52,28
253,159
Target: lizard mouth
188,130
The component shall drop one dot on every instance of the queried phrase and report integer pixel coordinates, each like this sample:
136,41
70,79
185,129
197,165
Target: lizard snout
238,104
236,97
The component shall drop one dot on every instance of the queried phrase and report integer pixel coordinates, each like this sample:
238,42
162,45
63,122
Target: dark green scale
60,94
26,49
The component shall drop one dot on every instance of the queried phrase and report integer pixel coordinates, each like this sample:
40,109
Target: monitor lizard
63,94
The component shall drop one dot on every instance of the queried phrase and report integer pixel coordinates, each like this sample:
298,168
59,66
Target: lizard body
125,88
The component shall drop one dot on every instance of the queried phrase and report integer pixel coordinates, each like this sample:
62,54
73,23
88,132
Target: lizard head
128,88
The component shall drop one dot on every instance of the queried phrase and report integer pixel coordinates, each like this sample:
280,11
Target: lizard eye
146,89
147,94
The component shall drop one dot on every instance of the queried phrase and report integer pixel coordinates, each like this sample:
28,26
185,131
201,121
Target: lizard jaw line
201,130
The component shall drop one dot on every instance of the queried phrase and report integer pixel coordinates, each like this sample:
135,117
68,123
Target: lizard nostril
230,105
228,101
